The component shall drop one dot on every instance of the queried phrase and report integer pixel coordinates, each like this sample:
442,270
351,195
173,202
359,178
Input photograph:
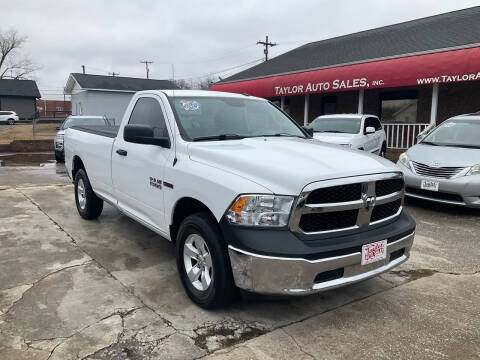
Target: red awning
443,67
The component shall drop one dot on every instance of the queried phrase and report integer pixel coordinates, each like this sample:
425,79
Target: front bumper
298,276
463,190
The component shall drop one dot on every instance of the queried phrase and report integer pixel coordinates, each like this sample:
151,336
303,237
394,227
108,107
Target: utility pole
113,73
83,69
266,44
146,62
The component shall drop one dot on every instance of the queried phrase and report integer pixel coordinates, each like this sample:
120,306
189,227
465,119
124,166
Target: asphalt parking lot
109,289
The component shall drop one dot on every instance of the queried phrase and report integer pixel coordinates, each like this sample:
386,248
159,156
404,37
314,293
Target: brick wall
458,98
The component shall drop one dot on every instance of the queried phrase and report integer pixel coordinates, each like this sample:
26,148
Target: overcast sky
199,37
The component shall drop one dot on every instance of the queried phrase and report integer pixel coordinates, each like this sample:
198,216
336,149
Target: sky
200,38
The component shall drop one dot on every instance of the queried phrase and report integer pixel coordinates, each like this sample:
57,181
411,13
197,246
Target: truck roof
205,93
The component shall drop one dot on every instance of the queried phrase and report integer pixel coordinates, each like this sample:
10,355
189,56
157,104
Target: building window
399,111
59,108
399,107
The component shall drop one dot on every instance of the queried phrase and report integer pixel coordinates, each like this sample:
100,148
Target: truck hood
444,156
286,165
335,138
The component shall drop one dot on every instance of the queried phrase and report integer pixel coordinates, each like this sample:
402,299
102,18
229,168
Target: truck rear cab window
147,111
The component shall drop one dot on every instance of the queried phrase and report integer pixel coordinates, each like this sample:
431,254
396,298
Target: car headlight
404,159
59,138
474,170
260,210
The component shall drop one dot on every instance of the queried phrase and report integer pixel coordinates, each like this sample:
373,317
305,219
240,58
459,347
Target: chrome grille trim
440,172
364,214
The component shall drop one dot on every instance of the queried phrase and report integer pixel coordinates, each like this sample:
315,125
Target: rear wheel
89,205
11,122
203,263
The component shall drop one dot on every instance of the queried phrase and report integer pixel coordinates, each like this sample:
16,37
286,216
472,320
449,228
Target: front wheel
89,205
203,263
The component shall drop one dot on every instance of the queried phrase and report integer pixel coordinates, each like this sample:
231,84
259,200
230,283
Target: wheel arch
184,207
77,164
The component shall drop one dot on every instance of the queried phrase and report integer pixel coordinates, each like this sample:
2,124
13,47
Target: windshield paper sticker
190,105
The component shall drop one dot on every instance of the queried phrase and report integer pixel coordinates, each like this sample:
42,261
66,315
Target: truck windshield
337,125
226,118
457,133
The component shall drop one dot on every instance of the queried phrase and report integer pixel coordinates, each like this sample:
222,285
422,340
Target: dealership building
412,75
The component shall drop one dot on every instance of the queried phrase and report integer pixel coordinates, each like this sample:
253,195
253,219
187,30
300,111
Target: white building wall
110,104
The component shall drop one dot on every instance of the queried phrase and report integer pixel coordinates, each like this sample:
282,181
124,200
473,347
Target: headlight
59,138
260,210
404,159
474,170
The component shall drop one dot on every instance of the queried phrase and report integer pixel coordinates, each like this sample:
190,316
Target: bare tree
205,83
182,84
12,64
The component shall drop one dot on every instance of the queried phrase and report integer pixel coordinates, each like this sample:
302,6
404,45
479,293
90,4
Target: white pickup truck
248,198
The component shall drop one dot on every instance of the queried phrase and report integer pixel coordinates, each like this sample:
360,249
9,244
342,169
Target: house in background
19,96
54,108
107,95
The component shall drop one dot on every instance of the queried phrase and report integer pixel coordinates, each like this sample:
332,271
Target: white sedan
356,131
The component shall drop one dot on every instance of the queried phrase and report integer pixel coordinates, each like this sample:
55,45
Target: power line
266,44
185,77
146,62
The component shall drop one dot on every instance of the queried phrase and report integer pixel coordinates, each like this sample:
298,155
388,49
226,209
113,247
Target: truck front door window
147,111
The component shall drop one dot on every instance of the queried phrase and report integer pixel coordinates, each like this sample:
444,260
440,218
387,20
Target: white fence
402,136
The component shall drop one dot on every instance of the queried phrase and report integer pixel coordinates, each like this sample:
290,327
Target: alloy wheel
198,262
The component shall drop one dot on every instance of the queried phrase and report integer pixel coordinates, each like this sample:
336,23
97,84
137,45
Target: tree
182,84
12,64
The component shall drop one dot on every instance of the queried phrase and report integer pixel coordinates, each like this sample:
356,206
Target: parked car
445,165
246,196
355,131
71,121
8,117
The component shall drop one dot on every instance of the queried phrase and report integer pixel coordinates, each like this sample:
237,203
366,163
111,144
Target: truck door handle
122,152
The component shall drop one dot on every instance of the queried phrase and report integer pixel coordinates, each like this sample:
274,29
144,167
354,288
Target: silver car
445,165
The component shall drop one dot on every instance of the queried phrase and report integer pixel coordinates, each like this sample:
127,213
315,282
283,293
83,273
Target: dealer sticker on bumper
429,185
374,252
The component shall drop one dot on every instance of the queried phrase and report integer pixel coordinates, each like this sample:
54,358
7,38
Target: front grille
358,202
437,195
335,194
384,211
440,172
389,186
328,221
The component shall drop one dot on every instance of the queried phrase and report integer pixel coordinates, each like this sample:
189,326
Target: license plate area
429,185
374,252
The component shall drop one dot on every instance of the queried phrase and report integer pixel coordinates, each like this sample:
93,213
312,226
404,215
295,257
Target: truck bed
102,130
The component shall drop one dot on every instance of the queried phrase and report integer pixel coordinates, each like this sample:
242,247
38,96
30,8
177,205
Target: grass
8,133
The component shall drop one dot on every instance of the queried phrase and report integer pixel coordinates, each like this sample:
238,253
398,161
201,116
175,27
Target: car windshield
75,121
225,118
337,125
458,133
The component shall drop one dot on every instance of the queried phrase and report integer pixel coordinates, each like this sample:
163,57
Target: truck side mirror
308,130
143,134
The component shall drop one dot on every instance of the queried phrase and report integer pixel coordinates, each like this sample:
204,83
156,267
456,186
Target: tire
383,152
194,231
11,122
89,205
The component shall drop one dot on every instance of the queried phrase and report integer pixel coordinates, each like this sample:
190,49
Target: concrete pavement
108,288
